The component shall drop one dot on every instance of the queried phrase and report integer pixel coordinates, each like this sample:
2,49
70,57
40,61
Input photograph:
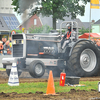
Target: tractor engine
41,49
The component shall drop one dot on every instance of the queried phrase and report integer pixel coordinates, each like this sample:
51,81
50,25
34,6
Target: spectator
3,44
3,39
7,49
1,47
10,41
98,43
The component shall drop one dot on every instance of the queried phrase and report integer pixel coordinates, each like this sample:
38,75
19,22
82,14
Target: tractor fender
80,40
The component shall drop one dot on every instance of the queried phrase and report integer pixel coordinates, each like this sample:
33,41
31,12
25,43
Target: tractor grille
18,50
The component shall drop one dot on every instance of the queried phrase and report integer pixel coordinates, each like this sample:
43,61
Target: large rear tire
37,69
85,59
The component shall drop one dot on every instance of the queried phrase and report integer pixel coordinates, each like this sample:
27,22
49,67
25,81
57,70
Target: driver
66,37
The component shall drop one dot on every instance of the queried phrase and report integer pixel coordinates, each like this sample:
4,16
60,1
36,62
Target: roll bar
72,23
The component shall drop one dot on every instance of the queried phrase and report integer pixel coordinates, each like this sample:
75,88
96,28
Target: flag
95,4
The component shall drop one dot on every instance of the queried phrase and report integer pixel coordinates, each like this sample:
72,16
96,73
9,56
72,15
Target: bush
83,30
41,29
17,31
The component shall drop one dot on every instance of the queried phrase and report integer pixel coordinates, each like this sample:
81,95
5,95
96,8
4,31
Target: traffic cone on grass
50,86
13,78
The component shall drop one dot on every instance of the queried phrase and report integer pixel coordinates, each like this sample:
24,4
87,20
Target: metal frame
72,23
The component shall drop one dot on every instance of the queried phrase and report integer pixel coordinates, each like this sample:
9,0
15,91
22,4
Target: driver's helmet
68,25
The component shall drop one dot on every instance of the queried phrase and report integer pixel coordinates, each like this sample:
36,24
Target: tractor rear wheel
85,59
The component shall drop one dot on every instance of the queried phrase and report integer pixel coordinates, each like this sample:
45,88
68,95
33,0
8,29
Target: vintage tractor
37,52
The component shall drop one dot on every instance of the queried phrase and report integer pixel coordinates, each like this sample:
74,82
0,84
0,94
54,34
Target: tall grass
2,69
42,86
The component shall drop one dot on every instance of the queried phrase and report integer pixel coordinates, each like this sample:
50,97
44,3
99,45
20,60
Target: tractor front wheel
37,69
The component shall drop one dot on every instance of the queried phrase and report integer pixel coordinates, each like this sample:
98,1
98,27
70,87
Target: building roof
86,24
97,22
80,24
3,25
48,21
8,22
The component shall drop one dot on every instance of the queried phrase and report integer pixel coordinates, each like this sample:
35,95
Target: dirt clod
37,92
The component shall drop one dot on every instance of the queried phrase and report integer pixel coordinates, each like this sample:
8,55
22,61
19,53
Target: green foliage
57,8
83,30
2,69
16,4
41,29
62,31
17,31
42,86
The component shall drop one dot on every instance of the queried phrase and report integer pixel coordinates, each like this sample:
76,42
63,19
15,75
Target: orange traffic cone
50,86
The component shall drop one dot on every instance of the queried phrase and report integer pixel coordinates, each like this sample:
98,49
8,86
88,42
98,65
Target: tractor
37,53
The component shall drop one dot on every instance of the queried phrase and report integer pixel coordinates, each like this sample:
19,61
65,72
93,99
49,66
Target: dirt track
25,77
39,95
72,95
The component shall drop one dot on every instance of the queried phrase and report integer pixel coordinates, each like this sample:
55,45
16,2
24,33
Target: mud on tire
85,59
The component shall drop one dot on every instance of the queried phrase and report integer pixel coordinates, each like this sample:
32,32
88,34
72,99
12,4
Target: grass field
2,69
42,86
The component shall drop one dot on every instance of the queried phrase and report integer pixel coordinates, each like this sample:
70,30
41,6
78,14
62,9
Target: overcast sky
95,14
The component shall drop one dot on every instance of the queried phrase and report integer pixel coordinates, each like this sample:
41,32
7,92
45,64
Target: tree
83,30
43,29
58,8
15,3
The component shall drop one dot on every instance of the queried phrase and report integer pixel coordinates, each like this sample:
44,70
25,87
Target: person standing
3,42
10,42
1,47
7,49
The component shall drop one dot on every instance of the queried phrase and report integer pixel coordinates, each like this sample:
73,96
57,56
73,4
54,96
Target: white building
5,6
